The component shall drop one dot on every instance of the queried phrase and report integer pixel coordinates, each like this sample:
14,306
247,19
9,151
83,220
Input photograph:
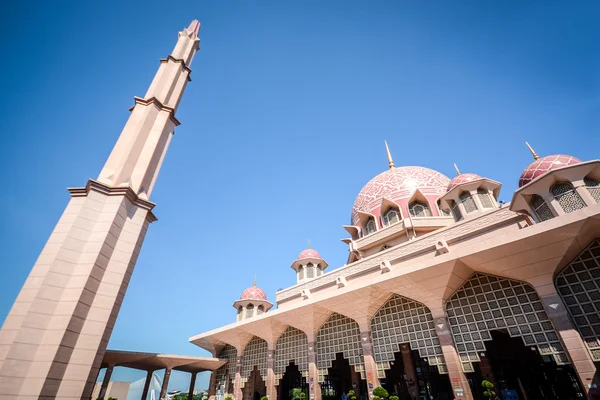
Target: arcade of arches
500,329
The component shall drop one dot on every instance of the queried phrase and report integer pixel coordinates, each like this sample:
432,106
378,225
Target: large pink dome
545,164
462,178
308,253
253,293
397,184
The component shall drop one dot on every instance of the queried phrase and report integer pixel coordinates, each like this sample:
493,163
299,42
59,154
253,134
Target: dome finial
533,153
308,244
389,155
456,168
254,279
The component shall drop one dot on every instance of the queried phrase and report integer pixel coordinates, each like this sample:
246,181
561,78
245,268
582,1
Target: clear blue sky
282,125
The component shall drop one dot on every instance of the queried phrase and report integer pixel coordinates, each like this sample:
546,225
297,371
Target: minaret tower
55,336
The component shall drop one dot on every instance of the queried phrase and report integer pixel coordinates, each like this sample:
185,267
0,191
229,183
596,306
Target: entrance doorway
520,372
255,387
292,379
340,379
411,377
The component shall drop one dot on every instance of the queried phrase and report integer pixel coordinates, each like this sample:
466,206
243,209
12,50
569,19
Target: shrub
394,398
227,398
381,393
302,395
488,386
264,398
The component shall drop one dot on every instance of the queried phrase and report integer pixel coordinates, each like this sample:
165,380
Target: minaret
55,336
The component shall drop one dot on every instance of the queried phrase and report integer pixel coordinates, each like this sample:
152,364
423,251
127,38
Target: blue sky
282,125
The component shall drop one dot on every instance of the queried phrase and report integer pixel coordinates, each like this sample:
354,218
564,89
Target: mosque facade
444,287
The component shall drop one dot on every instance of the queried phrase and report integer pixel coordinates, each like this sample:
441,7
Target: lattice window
310,270
226,372
259,310
300,273
240,313
593,186
255,354
468,202
418,209
455,211
401,320
579,287
338,334
487,302
391,216
370,227
567,197
249,311
540,208
291,346
485,198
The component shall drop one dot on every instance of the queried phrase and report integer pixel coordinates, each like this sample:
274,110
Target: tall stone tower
55,336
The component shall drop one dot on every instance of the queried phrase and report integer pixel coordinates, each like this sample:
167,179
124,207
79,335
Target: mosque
444,286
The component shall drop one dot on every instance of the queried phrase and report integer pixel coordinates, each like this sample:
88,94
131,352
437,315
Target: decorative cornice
178,61
125,191
459,231
157,103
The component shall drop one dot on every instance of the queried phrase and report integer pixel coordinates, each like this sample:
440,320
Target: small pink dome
253,293
462,178
308,253
545,164
397,184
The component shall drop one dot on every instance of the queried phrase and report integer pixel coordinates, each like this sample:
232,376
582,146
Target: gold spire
390,161
456,168
533,153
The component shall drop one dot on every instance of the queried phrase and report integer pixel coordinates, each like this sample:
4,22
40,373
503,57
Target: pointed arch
292,345
419,206
402,320
225,375
255,355
485,303
339,334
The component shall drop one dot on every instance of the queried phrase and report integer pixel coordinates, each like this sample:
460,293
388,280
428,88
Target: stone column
314,389
193,385
237,384
585,194
552,204
477,200
369,362
571,340
458,380
147,385
165,384
106,381
271,389
410,371
212,386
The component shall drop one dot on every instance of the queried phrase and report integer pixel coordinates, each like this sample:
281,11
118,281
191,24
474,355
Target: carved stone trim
428,242
161,106
126,191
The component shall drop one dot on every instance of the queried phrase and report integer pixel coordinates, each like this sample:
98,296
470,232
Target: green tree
264,398
380,393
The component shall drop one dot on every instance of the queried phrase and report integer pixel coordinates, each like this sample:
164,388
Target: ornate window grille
255,354
339,334
418,209
370,227
468,202
485,199
404,321
292,345
226,373
567,197
579,287
593,186
540,208
485,303
240,313
391,216
455,211
259,310
300,273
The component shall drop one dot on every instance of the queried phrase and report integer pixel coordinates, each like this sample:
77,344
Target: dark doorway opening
519,371
339,380
411,377
255,387
292,379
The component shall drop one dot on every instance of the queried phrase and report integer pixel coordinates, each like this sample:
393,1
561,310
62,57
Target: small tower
252,302
309,265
